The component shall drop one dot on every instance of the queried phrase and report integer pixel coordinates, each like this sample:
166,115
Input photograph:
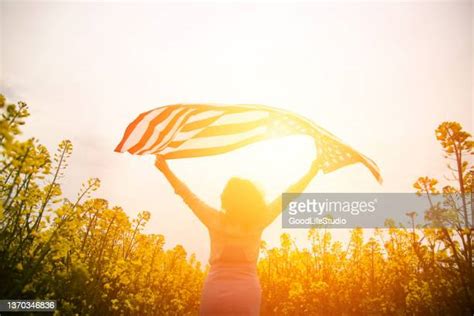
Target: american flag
194,130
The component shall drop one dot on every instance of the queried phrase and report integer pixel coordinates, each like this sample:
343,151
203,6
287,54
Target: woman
232,286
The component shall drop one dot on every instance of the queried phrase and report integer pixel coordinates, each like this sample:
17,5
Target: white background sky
379,75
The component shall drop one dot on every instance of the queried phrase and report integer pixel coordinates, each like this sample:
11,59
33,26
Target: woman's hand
161,163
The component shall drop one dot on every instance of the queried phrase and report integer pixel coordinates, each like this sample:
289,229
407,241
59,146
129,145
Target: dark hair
243,203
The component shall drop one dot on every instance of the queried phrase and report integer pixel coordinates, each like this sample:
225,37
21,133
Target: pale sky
379,75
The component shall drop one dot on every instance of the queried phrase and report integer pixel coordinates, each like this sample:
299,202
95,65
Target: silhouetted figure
232,286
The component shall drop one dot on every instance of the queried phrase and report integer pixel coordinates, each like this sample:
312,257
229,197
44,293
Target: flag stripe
229,116
186,153
212,127
229,129
134,126
204,115
241,117
151,128
201,123
175,144
170,135
160,133
215,141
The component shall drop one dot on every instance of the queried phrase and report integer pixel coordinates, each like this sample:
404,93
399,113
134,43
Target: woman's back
232,286
233,244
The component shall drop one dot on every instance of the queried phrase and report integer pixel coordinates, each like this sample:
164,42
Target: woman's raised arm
206,214
276,207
